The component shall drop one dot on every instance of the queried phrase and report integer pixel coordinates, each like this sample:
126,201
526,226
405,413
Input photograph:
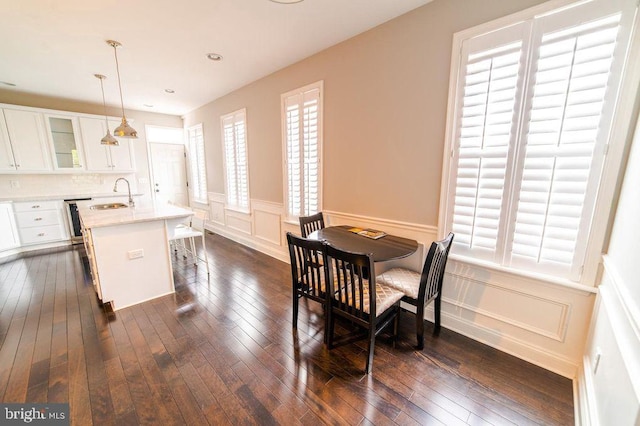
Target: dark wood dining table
389,247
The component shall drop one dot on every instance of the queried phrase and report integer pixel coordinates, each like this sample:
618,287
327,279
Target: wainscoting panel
240,222
267,219
216,207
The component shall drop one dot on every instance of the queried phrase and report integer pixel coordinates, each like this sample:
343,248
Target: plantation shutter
564,138
235,152
198,166
533,111
489,77
303,152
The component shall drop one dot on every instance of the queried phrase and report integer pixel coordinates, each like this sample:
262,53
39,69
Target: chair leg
372,341
436,314
327,320
204,249
295,309
396,322
194,253
331,321
420,326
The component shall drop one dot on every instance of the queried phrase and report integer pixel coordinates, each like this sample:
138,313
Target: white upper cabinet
27,137
105,158
65,142
6,153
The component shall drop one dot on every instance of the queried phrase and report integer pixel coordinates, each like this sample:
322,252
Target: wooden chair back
308,224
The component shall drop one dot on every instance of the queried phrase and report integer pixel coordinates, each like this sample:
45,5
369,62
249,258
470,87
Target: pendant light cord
115,53
104,103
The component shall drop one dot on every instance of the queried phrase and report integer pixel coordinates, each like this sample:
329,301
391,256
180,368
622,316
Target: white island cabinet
129,251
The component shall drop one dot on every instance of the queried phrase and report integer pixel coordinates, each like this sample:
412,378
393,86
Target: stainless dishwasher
74,219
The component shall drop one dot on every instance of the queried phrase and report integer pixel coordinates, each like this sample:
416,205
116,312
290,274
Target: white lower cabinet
40,222
8,231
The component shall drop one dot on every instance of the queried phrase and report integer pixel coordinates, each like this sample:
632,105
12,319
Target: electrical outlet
135,254
15,184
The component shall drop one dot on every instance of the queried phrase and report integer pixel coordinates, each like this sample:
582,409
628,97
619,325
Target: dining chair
420,289
308,224
308,278
184,233
355,295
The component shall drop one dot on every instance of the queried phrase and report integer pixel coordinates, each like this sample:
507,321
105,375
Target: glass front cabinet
64,138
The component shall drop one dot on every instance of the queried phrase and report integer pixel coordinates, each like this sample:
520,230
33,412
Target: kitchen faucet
115,189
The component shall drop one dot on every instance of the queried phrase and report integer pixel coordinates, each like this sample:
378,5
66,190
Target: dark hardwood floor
222,351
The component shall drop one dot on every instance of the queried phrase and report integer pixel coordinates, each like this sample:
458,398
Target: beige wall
32,184
384,114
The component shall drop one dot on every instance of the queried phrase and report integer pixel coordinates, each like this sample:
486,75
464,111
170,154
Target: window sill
237,209
525,274
291,221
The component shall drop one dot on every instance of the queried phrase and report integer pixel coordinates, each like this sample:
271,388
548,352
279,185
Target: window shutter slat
195,138
489,91
302,133
567,102
236,167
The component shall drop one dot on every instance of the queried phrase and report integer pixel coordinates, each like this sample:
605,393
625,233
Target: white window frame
319,87
197,158
618,133
236,171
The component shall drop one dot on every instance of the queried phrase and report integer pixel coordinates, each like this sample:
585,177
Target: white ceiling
54,47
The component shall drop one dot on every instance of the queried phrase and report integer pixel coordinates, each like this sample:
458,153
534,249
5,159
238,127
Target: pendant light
108,139
123,130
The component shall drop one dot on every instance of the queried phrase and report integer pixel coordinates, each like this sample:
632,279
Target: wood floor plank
221,350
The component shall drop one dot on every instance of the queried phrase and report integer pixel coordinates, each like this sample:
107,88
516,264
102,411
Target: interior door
169,173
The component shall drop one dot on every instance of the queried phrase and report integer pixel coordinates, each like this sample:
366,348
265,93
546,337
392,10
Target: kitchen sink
108,206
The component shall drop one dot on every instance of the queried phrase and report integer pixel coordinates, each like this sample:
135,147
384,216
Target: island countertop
140,213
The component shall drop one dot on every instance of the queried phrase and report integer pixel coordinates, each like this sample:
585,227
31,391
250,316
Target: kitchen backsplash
67,184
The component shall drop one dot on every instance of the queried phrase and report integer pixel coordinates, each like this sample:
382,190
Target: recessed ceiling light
214,56
148,105
169,90
6,83
286,1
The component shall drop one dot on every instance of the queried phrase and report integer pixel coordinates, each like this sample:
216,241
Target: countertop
56,197
140,213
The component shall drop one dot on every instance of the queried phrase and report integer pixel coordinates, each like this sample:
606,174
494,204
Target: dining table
388,247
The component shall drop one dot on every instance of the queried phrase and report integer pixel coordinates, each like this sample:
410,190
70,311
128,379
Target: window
234,138
528,131
158,134
195,138
302,139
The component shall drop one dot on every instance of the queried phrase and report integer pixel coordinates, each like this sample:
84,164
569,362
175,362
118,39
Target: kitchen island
128,250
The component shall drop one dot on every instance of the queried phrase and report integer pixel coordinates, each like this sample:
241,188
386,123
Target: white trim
283,122
629,311
225,167
525,274
622,130
190,166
